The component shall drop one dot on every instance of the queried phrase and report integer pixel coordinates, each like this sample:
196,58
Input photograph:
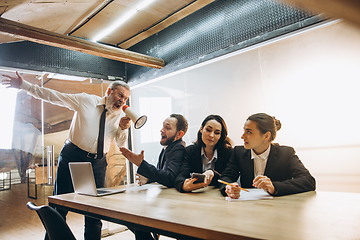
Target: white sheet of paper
253,194
135,187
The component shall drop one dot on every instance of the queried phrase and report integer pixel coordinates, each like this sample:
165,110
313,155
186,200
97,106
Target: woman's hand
209,174
189,185
265,183
233,190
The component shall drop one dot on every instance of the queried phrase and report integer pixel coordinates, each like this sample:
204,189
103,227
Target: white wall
309,80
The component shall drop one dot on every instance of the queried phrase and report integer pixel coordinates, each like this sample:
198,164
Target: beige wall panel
311,83
231,88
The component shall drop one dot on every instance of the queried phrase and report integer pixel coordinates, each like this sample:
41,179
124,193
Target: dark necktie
161,159
100,147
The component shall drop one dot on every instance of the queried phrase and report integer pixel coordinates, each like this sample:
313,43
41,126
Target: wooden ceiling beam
348,10
38,35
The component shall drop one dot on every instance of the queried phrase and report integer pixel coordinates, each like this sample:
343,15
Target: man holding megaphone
97,121
170,159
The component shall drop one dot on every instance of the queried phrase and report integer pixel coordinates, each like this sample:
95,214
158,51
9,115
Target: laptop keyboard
101,191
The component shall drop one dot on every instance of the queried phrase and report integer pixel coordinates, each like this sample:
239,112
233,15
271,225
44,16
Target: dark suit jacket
172,160
193,163
283,167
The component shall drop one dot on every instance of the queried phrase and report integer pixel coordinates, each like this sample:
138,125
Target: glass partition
22,139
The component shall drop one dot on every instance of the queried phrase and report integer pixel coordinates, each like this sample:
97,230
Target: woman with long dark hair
208,155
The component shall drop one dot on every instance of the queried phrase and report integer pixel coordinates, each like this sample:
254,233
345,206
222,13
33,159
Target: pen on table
221,181
216,172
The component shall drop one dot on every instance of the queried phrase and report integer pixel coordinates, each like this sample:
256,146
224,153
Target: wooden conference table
207,215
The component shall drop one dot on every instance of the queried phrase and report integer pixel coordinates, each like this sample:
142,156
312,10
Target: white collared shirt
208,164
84,128
260,161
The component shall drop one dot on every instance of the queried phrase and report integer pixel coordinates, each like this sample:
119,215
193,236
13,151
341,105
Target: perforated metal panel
38,57
217,29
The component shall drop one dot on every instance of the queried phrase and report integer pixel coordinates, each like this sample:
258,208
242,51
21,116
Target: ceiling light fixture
122,20
66,77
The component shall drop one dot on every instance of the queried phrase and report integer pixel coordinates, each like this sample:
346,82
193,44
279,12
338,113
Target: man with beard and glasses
82,142
170,159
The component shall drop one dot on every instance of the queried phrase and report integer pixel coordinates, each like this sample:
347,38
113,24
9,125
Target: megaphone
138,120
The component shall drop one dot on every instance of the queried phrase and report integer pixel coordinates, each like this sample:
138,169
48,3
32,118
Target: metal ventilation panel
217,29
37,57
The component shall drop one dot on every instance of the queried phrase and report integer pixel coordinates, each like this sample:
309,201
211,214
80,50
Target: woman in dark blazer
208,155
262,164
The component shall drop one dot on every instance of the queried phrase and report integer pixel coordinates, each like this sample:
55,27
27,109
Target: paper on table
136,187
253,194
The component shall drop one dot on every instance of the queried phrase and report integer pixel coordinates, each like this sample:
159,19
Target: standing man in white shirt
82,141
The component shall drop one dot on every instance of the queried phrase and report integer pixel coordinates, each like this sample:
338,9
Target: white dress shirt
84,128
260,161
208,163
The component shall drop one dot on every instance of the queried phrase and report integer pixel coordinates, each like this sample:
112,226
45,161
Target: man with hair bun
263,164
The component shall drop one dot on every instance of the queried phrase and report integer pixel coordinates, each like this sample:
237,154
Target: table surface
206,214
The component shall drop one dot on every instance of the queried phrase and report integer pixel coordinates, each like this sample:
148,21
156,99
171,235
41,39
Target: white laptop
84,183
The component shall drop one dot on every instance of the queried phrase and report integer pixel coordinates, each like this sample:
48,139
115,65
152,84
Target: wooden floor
19,222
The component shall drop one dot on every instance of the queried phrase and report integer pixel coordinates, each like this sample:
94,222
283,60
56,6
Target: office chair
54,223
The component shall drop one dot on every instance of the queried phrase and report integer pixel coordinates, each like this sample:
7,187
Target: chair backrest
54,223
